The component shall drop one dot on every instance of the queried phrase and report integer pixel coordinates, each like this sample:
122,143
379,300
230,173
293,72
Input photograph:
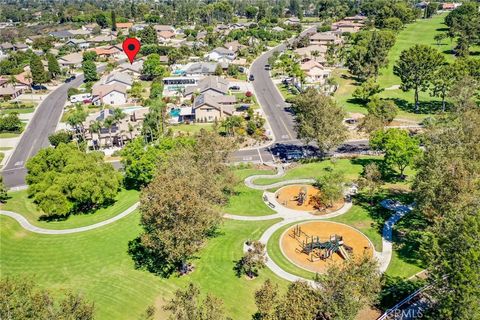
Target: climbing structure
318,249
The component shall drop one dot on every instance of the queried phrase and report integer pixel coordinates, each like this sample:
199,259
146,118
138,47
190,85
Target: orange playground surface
288,197
354,241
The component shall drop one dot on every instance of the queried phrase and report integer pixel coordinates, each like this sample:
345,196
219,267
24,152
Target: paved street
36,134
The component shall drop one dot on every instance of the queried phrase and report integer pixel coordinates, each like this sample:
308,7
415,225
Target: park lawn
20,203
285,92
360,219
351,167
17,110
246,201
398,267
420,32
96,263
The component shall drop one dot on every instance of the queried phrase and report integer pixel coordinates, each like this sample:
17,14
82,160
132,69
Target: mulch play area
315,245
290,197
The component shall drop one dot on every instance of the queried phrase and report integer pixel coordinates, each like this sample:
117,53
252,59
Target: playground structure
317,249
314,245
302,198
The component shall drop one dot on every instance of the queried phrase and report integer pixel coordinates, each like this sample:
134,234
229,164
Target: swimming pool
175,113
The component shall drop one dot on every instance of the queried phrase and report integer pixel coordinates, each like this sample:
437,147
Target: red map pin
131,46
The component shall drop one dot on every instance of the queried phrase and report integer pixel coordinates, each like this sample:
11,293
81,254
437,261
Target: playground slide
343,253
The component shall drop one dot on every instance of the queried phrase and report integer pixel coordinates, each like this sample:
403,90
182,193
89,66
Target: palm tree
95,127
108,123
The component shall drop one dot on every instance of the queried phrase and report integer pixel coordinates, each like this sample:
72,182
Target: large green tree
416,67
188,305
368,53
400,149
39,75
149,35
53,66
23,299
153,68
65,180
89,71
319,119
464,23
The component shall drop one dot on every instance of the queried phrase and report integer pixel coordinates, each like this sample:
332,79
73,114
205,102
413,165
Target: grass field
6,135
350,167
20,203
96,263
246,201
190,128
420,32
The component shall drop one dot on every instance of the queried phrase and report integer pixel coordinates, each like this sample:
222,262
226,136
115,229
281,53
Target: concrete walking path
30,227
291,216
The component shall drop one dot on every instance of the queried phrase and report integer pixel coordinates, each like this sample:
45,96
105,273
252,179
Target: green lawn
191,128
20,203
246,201
17,110
351,167
5,135
96,263
420,32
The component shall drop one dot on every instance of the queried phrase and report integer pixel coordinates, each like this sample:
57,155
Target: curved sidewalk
30,227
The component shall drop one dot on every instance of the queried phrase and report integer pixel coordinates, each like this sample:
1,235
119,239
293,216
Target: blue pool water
175,113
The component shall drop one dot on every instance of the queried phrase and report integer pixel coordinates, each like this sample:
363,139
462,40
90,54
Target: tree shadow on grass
424,107
149,260
81,210
409,239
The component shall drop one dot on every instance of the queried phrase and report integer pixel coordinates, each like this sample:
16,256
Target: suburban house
20,47
134,69
207,109
220,53
80,32
278,29
9,92
89,27
211,85
101,39
119,78
106,52
160,28
292,21
346,27
62,35
78,43
112,94
5,48
234,46
201,68
315,72
72,60
24,80
118,134
326,38
316,52
139,27
124,26
165,36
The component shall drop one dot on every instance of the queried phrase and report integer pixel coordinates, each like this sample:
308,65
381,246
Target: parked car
234,88
39,87
251,77
70,79
268,67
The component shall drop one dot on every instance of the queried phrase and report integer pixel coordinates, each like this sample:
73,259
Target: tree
348,287
299,303
370,181
320,119
101,20
380,113
464,23
439,37
113,17
89,56
10,122
367,89
443,80
62,136
266,298
64,180
330,187
368,53
156,89
152,67
400,149
149,35
23,299
252,261
187,305
53,66
176,227
89,71
416,67
3,191
39,75
43,43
